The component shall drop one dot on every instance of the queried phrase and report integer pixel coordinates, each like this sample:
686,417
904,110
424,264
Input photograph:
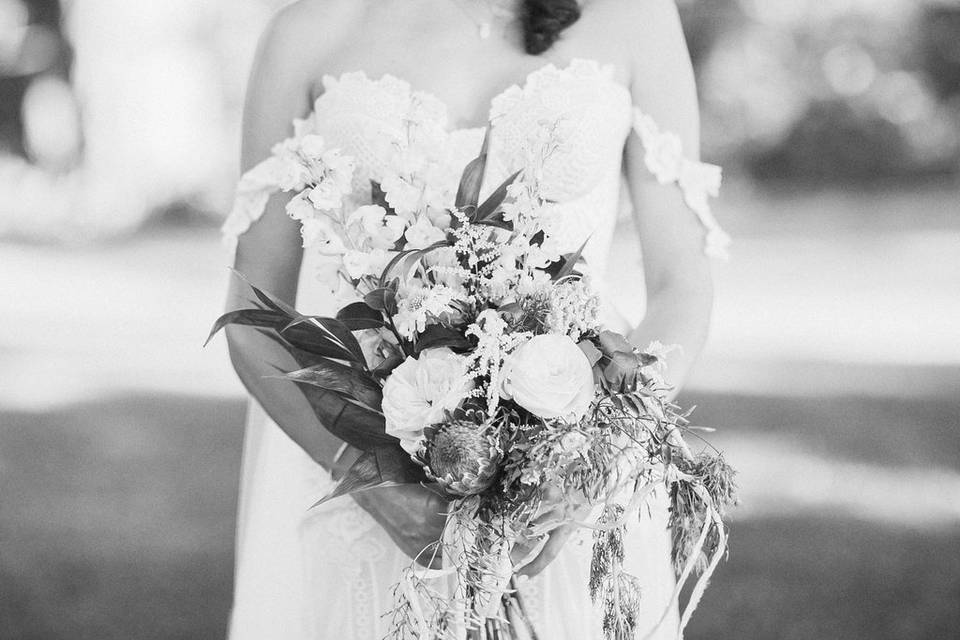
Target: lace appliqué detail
697,180
582,103
253,191
586,112
256,187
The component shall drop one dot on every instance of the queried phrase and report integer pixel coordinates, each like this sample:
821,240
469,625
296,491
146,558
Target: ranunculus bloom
550,377
419,391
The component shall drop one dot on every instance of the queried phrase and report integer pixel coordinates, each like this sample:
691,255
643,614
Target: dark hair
543,20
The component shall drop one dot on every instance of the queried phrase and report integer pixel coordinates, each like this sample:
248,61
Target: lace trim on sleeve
258,184
253,191
697,180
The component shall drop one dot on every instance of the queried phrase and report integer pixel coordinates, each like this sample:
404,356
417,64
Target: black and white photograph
479,320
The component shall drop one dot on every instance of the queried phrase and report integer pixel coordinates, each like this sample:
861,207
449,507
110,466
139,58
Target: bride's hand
555,519
412,515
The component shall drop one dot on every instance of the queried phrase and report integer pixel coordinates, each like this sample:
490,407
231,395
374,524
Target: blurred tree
34,46
704,21
940,47
833,142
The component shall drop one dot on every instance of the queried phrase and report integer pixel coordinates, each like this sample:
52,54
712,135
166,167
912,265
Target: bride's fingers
525,552
550,550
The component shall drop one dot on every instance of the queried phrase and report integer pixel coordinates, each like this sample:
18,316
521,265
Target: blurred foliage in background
848,91
113,111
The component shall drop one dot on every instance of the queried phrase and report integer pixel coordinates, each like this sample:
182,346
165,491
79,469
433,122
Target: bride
359,67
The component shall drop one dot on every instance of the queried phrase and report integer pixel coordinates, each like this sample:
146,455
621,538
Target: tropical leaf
304,335
293,333
359,324
382,467
303,358
567,263
358,426
387,366
268,299
491,205
333,376
382,299
314,340
265,318
468,193
437,336
405,255
336,333
359,311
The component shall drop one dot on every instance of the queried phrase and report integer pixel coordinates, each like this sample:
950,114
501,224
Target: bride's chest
576,117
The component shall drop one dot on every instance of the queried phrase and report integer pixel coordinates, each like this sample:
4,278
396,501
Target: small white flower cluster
420,305
574,309
494,343
321,176
358,235
494,261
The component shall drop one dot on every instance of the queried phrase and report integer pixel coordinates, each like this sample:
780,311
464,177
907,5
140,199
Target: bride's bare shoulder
637,23
636,27
648,33
305,31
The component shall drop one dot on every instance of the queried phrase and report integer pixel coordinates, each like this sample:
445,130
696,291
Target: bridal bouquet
471,359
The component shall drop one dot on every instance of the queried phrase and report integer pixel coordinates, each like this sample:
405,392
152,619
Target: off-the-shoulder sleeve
262,181
698,181
253,191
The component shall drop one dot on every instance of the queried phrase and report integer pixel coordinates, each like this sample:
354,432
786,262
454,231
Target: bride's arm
269,253
678,274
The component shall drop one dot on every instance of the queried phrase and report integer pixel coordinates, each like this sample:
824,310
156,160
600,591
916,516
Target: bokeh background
833,371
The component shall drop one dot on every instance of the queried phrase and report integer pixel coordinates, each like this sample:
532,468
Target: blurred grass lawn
120,444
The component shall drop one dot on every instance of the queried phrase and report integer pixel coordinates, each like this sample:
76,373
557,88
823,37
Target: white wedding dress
328,573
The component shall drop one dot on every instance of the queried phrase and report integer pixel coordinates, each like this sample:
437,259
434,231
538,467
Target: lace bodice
368,120
585,107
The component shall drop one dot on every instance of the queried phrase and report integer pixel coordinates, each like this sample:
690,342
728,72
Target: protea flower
462,456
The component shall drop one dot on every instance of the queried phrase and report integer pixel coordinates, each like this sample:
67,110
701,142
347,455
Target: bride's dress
328,573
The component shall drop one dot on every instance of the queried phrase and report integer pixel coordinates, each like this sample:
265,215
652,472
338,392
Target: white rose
419,391
550,377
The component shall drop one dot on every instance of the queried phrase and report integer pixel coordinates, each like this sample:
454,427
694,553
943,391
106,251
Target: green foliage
334,378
